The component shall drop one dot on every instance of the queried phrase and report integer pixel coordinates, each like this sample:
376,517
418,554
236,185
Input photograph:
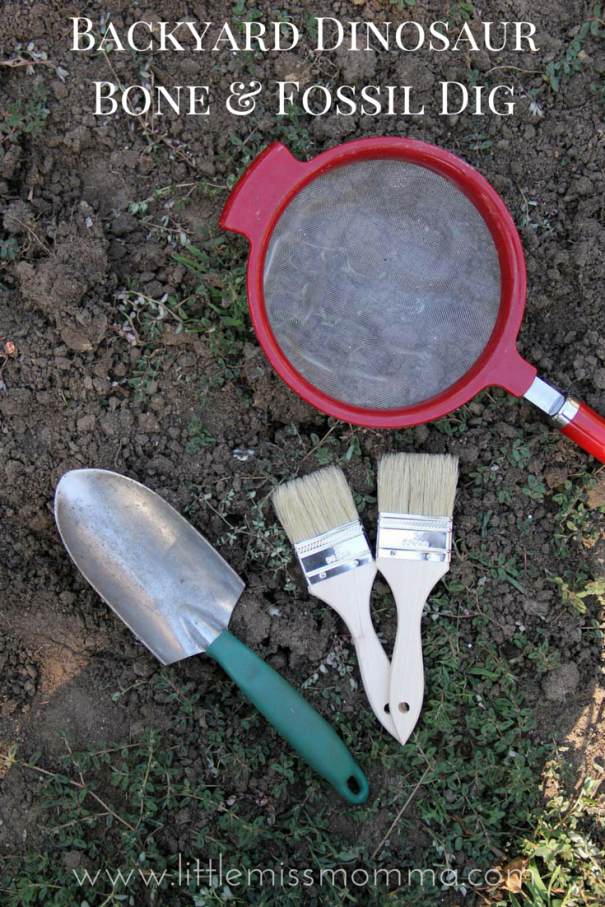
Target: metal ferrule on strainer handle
333,552
414,538
561,409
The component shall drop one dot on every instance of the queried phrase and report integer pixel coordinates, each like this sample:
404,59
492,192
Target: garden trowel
176,593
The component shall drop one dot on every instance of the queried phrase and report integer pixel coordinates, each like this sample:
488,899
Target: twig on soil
215,511
62,645
149,129
395,821
78,784
55,828
320,443
529,72
19,61
437,840
494,849
306,457
144,785
31,233
175,186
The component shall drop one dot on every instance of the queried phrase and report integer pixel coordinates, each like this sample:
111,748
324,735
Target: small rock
584,187
143,668
421,433
534,606
599,379
86,423
17,402
243,453
288,68
16,218
468,453
580,188
124,224
72,859
555,477
559,683
596,496
76,339
148,422
358,66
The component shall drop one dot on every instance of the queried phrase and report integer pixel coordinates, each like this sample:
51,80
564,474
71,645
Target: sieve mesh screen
381,284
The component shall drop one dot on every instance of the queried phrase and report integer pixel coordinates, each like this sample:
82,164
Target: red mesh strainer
386,283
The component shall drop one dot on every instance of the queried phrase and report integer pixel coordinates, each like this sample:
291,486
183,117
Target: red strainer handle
576,420
587,429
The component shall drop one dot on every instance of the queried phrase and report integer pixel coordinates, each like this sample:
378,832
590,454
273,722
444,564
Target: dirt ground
203,424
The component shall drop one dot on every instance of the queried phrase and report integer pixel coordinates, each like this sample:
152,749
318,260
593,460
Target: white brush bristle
315,504
423,484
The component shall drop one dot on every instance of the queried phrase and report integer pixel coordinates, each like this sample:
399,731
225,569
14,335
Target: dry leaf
512,875
302,75
596,496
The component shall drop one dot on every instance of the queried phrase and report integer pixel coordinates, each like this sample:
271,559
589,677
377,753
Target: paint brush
320,518
413,551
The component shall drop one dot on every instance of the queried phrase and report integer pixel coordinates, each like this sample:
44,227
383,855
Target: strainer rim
498,364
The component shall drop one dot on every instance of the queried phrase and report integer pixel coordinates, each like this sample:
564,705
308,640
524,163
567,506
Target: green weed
466,786
535,489
502,568
9,250
401,4
575,588
220,272
574,521
563,865
538,655
263,539
453,424
199,436
460,12
561,71
23,118
142,320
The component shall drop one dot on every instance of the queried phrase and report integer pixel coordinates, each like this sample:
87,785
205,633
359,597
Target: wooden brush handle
350,595
411,583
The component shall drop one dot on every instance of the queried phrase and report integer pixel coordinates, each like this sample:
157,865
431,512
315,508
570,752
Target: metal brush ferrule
333,552
414,538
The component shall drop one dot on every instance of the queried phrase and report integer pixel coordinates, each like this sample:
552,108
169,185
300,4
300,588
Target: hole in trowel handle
353,785
404,707
387,709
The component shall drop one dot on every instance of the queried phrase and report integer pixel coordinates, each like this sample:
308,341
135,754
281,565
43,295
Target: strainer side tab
260,191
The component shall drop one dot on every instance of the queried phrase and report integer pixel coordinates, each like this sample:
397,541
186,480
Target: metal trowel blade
160,576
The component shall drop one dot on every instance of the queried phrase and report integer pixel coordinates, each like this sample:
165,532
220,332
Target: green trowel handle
292,716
